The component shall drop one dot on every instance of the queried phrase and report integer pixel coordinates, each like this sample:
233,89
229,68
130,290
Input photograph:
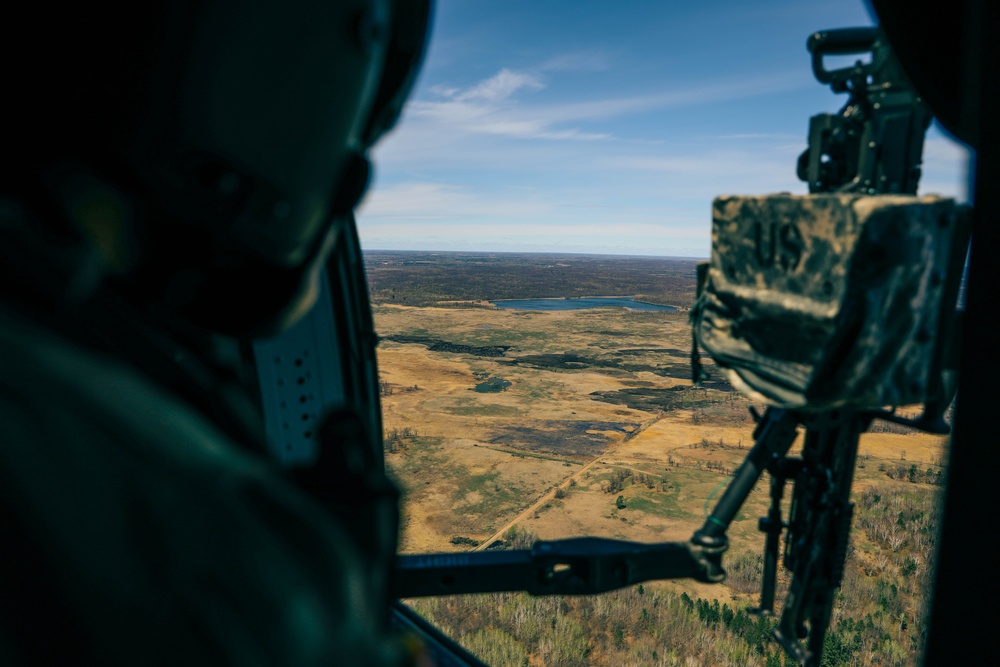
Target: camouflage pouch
828,301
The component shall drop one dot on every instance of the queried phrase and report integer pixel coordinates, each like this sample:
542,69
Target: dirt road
550,495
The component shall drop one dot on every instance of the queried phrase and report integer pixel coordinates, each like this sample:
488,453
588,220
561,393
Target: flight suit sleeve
160,541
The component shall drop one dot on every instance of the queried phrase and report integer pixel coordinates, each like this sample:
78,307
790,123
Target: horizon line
534,252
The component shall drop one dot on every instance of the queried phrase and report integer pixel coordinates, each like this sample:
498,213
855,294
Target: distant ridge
426,278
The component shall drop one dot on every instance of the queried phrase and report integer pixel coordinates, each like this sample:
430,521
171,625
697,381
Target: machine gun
874,143
825,307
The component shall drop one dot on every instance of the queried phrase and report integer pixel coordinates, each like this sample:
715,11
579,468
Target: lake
578,304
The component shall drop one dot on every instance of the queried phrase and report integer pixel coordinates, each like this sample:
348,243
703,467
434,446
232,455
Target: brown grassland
599,407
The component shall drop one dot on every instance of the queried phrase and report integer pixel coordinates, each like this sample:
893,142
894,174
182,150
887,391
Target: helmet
231,137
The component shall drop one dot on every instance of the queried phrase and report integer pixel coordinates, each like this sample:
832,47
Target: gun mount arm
579,566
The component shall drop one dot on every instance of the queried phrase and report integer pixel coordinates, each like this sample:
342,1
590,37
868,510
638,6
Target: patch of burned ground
568,361
437,345
676,371
653,399
562,437
649,399
717,385
673,351
565,361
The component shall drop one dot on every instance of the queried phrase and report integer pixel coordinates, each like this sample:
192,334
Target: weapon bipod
819,518
818,531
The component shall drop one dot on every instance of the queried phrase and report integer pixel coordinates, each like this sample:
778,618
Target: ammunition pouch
832,301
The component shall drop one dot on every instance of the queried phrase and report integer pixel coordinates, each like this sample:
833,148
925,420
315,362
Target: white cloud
423,204
441,201
444,91
493,106
500,86
706,175
644,198
487,108
678,97
784,136
568,183
442,211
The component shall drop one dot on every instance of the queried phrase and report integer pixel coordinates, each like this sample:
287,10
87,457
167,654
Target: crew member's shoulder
156,529
54,387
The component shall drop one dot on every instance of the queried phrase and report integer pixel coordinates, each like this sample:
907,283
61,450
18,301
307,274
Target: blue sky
606,126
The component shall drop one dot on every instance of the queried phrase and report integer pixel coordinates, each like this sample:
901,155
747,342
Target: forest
878,618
